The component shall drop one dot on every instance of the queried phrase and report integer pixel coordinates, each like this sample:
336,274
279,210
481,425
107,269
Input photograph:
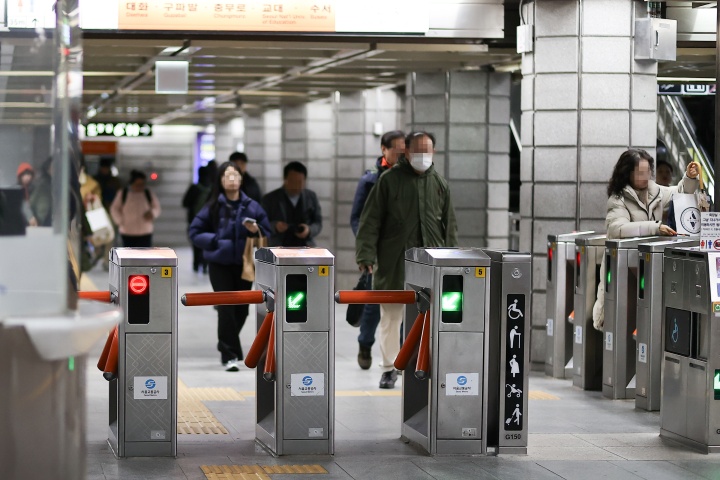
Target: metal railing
677,130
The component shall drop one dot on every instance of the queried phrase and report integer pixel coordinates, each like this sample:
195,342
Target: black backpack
147,195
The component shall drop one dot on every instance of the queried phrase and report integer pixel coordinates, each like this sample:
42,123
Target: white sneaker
232,366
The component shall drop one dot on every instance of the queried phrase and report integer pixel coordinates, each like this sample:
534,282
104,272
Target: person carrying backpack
134,210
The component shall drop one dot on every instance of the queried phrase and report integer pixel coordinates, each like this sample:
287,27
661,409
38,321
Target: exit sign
118,129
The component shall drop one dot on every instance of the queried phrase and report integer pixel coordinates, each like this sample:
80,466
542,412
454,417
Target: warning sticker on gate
150,388
307,384
323,271
458,384
578,334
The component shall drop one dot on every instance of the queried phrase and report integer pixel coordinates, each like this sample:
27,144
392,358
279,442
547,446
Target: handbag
354,311
251,246
103,232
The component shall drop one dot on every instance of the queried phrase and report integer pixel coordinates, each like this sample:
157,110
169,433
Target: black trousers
231,318
199,263
134,241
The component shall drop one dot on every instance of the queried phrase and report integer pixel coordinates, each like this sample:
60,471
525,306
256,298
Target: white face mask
421,161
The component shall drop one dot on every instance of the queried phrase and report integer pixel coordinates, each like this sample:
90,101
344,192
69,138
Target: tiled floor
579,436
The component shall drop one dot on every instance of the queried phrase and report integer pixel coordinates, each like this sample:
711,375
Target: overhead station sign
315,16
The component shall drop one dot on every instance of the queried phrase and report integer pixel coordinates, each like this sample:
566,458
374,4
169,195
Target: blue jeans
368,324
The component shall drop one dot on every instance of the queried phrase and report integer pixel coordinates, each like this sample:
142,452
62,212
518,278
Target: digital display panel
296,298
451,299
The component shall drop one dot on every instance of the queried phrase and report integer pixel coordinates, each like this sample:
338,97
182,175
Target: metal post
716,159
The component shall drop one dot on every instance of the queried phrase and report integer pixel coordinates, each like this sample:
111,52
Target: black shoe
364,358
388,379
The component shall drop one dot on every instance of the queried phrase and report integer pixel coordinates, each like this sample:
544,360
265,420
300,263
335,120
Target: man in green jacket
409,207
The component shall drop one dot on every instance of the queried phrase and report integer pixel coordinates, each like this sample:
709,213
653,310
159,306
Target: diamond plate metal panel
305,352
148,355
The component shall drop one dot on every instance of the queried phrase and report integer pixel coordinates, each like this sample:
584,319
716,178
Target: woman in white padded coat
635,206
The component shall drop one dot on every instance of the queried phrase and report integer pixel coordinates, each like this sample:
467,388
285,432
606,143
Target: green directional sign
716,384
296,301
452,301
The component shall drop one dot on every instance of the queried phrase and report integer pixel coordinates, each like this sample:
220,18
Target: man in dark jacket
392,145
249,185
293,210
409,207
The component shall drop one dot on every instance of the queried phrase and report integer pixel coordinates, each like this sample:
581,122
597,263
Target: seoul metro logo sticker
462,380
150,383
307,380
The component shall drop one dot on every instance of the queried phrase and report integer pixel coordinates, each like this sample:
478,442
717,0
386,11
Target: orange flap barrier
403,297
410,343
106,350
269,371
261,341
571,317
111,366
422,369
104,297
245,297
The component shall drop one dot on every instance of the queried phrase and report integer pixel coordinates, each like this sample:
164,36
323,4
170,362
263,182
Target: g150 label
513,436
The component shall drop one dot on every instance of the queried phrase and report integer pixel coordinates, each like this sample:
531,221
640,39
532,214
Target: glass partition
40,205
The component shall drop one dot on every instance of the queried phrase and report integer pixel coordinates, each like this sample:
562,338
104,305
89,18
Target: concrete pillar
469,114
229,137
263,140
308,137
584,100
361,119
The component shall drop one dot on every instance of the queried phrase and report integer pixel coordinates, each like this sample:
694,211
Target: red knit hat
25,167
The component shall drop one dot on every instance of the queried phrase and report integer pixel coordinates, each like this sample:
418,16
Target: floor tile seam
550,471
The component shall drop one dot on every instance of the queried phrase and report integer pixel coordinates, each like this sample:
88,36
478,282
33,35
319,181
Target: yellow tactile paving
538,395
256,472
234,472
274,469
194,417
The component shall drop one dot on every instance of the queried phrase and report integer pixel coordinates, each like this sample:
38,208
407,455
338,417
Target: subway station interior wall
169,153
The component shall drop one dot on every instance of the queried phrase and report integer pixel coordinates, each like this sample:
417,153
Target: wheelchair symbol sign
514,312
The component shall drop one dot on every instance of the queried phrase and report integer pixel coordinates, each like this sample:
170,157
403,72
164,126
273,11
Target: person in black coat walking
249,185
293,210
221,229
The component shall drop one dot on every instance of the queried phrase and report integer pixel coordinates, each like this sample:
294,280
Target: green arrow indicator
451,302
295,301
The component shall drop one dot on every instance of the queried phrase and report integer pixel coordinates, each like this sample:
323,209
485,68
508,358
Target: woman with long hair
221,229
635,206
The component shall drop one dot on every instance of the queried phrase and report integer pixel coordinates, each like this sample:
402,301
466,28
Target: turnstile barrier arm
110,368
98,296
402,297
411,341
245,297
422,368
261,341
269,371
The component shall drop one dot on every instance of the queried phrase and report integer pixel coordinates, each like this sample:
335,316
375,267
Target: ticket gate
143,388
468,391
619,352
561,260
295,400
649,320
587,344
295,342
509,350
690,400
